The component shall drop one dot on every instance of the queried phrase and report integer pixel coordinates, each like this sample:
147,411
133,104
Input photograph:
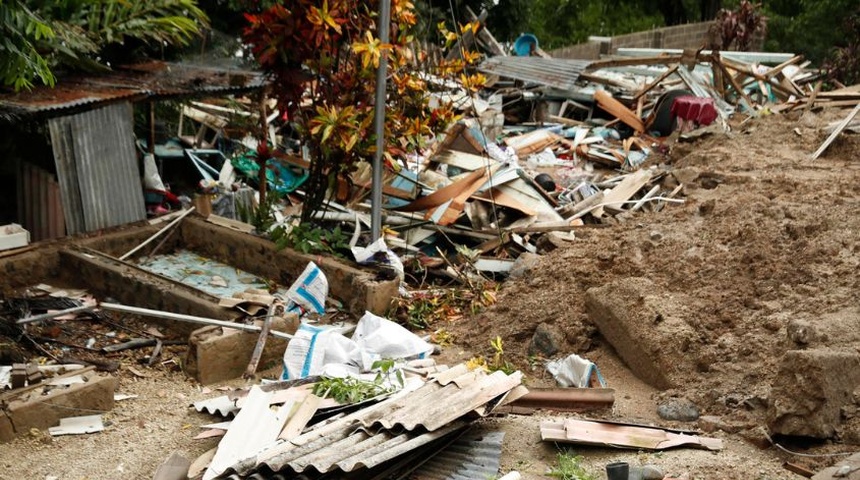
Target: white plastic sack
151,178
381,338
310,290
312,348
317,350
574,371
305,353
371,253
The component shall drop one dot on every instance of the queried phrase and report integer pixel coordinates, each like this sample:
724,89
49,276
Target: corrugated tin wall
97,168
39,207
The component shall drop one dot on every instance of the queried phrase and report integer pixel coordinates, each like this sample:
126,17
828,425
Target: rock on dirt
679,410
813,391
646,326
548,340
523,265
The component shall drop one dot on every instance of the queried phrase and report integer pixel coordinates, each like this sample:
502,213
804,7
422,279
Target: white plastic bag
151,178
305,353
380,338
574,371
310,290
369,254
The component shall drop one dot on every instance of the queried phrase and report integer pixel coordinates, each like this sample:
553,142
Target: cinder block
216,354
44,406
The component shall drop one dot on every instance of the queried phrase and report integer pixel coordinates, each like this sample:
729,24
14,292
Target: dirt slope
766,238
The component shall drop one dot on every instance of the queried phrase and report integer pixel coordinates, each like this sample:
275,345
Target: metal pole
379,124
46,316
188,318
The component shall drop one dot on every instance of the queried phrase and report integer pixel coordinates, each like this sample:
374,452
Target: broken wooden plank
605,434
815,91
836,132
623,191
484,34
645,198
300,419
260,345
157,234
798,469
616,108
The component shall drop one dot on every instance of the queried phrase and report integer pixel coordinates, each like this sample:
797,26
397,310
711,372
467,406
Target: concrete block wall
580,51
691,35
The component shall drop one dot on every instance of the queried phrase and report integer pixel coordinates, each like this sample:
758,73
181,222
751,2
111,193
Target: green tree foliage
41,36
323,58
811,27
20,31
558,23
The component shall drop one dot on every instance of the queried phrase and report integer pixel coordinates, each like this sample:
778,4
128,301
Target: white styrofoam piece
78,425
13,236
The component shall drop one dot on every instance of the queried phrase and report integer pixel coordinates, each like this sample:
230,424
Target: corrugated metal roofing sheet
97,168
152,80
393,427
475,455
553,72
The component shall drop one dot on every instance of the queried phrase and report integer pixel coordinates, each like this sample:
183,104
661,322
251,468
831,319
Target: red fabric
689,107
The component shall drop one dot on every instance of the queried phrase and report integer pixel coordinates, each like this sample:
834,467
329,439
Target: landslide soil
765,237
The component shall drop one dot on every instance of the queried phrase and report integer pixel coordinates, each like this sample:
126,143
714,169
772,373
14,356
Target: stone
810,390
800,332
216,354
524,264
647,327
757,436
546,341
679,410
651,472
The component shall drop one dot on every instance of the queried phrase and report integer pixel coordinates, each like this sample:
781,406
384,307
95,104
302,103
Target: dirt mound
766,237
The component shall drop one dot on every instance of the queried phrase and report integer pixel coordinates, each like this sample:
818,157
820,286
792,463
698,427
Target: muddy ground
766,237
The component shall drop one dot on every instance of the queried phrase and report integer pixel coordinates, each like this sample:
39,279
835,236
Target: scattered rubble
550,152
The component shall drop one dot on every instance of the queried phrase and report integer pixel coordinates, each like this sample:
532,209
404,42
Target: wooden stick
157,234
814,95
645,198
740,91
836,132
47,316
261,344
300,419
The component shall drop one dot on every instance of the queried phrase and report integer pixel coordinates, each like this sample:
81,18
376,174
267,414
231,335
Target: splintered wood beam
613,106
740,91
836,132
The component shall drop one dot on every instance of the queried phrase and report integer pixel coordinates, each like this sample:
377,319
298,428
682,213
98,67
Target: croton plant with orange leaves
323,56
